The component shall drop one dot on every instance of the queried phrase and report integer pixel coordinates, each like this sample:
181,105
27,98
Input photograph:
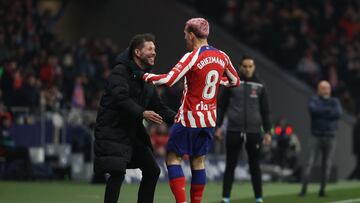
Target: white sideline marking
90,196
347,201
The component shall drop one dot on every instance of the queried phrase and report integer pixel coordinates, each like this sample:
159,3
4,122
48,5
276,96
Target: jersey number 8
210,84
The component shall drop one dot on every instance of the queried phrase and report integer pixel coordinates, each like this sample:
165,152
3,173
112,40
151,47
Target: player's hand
145,77
267,139
218,134
224,82
152,117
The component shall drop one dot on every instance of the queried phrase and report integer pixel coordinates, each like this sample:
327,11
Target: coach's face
247,67
147,54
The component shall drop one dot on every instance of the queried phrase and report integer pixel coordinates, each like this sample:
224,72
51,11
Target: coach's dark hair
245,57
137,42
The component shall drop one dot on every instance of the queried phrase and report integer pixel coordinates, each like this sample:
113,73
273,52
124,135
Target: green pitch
71,192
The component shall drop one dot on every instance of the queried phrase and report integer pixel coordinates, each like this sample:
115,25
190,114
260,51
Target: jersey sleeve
176,73
231,78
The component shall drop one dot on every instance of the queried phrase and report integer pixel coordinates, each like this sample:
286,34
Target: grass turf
73,192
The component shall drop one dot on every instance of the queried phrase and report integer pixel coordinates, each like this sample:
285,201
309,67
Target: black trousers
234,143
143,159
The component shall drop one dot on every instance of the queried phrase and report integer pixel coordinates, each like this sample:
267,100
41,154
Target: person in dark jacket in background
355,174
325,112
121,141
247,110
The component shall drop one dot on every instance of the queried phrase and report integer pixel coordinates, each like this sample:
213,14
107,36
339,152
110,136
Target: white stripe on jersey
181,108
182,120
191,120
182,60
187,68
164,80
225,83
211,120
232,77
202,120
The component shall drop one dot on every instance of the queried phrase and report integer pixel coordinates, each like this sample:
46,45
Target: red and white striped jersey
204,69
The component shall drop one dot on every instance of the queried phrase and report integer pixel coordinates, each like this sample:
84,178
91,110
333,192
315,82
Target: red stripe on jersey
197,119
202,119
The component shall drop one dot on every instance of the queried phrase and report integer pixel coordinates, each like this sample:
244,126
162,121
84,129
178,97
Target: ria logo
202,106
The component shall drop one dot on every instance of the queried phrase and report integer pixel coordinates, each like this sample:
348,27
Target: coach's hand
218,134
152,116
267,139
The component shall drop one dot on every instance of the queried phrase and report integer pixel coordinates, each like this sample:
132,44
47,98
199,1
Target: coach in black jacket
121,141
247,110
325,112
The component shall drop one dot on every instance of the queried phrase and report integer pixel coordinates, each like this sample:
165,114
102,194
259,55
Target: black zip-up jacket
119,121
325,114
246,107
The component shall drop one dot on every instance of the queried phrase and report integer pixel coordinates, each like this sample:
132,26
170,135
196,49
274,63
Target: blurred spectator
78,98
29,93
349,22
347,101
308,68
48,71
51,98
7,81
159,138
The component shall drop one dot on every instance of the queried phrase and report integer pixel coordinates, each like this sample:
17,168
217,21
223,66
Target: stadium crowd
312,39
320,41
38,67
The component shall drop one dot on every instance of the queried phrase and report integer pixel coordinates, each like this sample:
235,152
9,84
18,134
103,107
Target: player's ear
137,52
192,35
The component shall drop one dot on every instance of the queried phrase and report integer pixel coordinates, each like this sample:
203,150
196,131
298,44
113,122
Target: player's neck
199,43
